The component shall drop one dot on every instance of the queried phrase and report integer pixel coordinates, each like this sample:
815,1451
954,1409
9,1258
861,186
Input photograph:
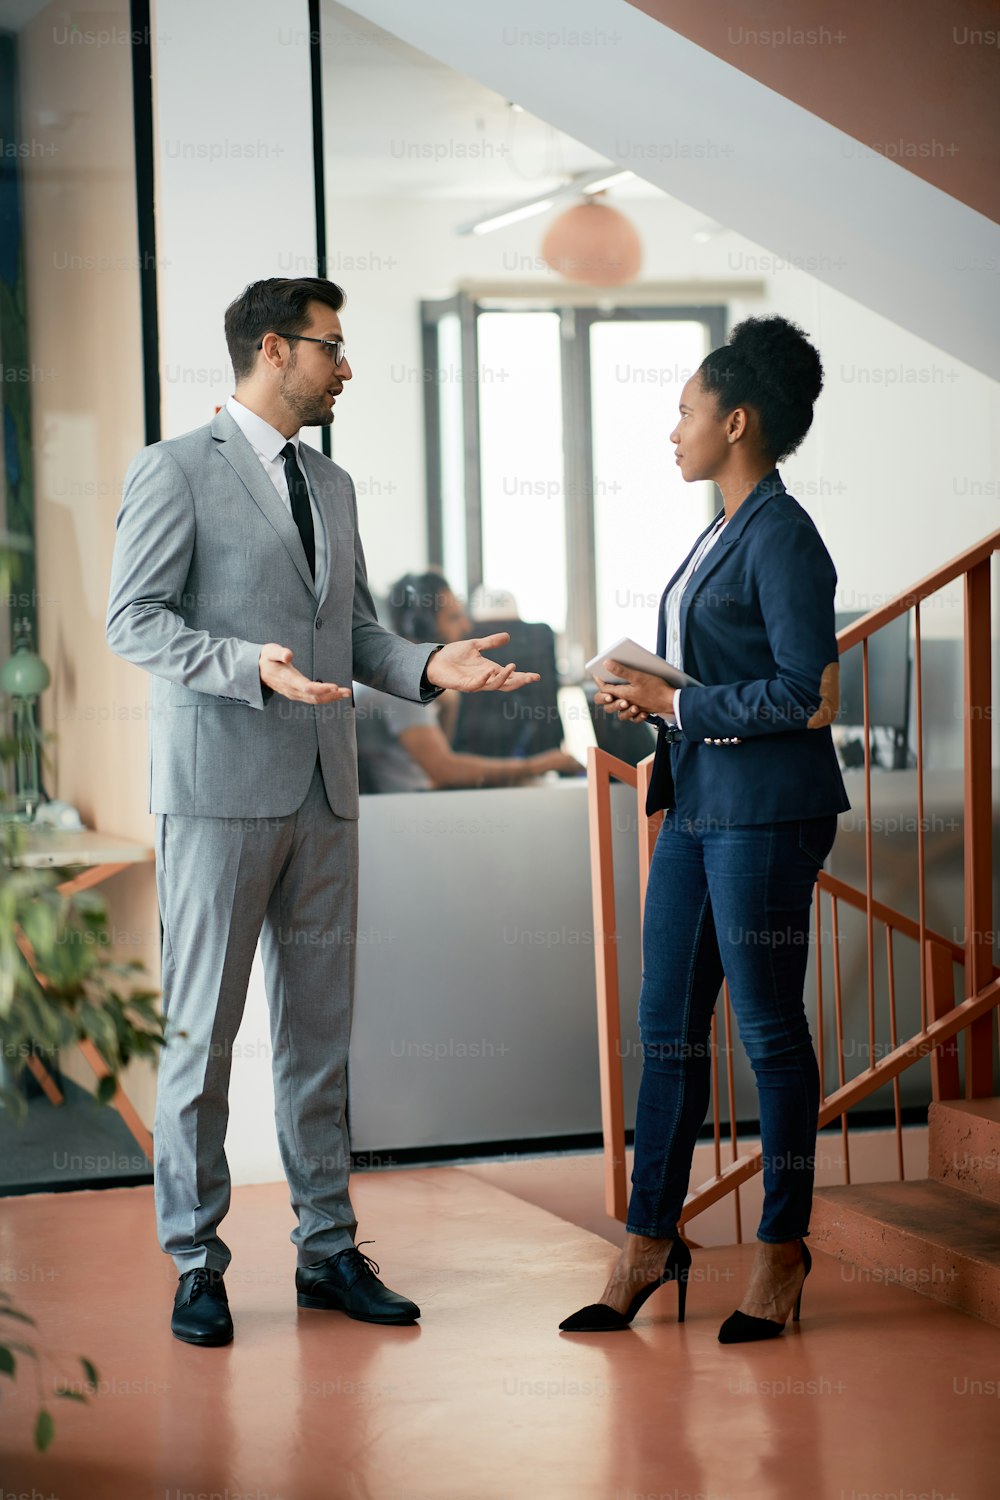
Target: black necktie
301,509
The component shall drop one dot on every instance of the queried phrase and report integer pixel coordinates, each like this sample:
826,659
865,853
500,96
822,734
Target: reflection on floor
878,1391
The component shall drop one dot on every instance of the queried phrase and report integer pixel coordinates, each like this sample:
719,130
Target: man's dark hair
770,365
278,305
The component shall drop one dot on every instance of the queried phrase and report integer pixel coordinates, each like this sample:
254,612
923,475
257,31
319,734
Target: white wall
234,179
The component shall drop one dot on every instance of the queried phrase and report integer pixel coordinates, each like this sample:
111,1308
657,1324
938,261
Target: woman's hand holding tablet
635,683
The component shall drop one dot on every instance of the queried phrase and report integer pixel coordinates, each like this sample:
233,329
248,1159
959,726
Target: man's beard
309,410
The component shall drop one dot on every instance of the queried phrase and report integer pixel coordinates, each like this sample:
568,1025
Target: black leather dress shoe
201,1308
348,1282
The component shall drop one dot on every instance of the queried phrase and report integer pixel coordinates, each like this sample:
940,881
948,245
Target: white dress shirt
267,442
674,648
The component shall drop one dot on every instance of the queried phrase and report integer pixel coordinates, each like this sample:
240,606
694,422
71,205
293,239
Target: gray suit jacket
208,567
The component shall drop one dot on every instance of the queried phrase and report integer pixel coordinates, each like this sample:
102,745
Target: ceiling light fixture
593,243
600,184
508,216
594,181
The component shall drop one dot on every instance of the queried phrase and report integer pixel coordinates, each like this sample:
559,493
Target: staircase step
932,1238
963,1145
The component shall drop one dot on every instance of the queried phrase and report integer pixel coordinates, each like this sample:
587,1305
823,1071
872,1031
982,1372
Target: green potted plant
59,984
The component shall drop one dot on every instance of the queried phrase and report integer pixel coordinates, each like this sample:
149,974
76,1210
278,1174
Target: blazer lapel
238,453
323,491
770,485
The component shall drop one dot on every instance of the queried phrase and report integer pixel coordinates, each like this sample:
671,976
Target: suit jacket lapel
324,493
770,485
238,453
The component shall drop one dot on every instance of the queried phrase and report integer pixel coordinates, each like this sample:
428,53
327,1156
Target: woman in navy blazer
747,774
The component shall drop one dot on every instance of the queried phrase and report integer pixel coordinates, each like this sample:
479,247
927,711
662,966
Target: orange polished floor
880,1392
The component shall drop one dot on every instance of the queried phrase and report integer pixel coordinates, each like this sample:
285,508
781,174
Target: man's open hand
277,673
462,665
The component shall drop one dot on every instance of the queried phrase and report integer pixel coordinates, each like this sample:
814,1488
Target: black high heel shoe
741,1328
598,1317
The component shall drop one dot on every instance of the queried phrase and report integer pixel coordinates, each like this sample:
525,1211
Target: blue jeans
737,902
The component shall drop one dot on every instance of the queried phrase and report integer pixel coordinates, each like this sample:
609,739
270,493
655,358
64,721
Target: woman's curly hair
768,364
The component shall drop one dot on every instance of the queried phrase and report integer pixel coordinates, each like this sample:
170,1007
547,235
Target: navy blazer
757,627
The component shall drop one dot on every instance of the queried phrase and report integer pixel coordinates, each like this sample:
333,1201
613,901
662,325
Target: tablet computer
630,654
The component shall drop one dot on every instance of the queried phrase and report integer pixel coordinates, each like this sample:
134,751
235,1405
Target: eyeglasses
336,348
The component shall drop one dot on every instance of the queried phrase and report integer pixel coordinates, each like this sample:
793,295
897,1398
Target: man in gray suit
239,584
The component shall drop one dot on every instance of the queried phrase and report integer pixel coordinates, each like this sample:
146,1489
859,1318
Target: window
549,470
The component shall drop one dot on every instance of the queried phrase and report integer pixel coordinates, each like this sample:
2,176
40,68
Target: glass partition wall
73,416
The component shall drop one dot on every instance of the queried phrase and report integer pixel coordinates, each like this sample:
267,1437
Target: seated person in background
402,746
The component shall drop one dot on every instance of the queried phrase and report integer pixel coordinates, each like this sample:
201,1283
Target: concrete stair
963,1147
939,1236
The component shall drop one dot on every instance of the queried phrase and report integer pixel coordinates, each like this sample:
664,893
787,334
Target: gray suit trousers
223,883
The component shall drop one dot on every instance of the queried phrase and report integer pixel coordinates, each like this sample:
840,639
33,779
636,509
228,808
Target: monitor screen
525,722
888,675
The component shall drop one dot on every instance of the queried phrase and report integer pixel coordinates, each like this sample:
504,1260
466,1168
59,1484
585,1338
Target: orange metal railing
942,1020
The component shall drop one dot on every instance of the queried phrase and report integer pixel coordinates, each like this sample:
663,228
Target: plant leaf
107,1088
44,1430
8,1364
90,1370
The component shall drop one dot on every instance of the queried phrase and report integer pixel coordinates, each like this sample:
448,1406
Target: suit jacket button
319,622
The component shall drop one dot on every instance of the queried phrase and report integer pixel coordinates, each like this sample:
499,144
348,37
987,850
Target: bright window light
523,500
645,516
